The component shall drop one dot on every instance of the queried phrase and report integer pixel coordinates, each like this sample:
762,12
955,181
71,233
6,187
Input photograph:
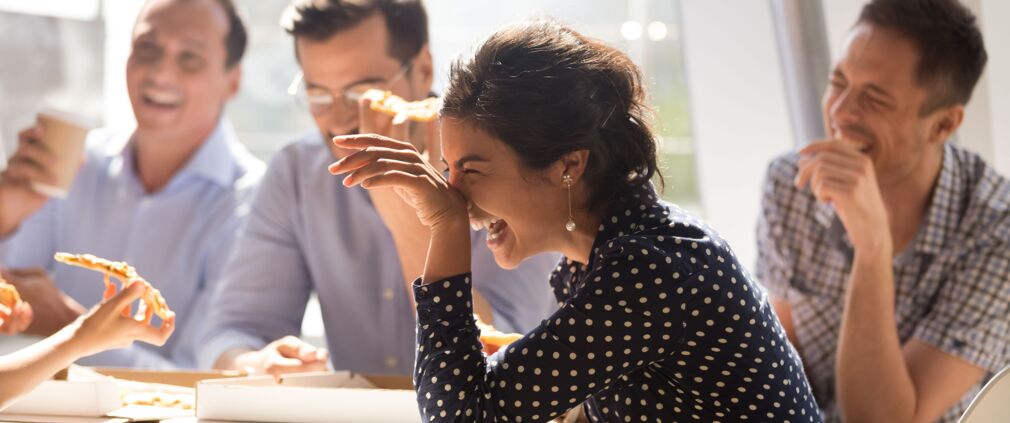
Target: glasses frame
324,101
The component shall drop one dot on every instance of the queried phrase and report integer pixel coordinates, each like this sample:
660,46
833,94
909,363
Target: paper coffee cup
63,134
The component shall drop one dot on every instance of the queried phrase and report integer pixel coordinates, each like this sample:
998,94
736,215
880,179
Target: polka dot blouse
662,325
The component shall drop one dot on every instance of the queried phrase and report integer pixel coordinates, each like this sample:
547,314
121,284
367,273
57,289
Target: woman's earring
570,224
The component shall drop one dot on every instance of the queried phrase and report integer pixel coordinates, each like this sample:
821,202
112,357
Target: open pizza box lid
76,398
309,397
183,378
97,394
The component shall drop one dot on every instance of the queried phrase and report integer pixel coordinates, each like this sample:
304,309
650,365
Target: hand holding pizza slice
9,296
152,303
15,314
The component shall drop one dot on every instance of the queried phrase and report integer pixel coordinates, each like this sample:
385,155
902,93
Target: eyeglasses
320,100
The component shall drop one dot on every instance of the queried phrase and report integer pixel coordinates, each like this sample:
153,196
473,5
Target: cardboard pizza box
309,397
98,394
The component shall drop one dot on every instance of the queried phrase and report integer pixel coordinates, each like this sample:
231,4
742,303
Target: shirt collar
824,214
616,223
626,216
945,206
945,200
214,160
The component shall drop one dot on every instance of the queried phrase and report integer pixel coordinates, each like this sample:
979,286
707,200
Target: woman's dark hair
546,90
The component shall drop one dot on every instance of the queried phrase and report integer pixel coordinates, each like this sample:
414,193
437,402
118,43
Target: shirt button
387,294
391,362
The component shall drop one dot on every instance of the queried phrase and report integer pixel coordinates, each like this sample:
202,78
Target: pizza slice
493,339
419,111
152,303
9,296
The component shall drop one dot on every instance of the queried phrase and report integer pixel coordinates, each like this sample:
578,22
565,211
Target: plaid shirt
952,282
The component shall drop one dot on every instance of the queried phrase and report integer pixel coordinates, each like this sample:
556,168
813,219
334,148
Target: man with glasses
319,99
358,250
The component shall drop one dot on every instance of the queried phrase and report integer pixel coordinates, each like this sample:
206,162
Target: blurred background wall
734,82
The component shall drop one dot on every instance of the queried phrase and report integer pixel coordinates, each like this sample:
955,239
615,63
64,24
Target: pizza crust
9,296
152,303
419,111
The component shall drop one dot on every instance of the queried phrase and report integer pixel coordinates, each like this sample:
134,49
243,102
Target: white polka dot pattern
661,325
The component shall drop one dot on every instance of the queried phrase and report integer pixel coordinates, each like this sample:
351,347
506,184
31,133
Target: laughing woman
546,137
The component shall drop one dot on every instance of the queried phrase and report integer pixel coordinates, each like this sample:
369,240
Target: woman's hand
105,327
382,162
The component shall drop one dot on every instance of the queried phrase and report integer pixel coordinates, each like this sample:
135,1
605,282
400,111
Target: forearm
222,343
8,225
410,237
872,383
234,359
23,370
64,312
448,251
135,356
411,250
412,254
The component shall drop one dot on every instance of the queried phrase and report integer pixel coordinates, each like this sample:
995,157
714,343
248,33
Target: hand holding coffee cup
63,136
43,165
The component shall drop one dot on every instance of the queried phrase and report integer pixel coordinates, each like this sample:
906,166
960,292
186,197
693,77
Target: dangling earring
570,224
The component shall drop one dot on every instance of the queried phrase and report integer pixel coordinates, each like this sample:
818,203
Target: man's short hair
406,21
951,50
237,38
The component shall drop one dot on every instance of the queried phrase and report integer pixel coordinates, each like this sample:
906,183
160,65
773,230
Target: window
77,64
74,64
70,9
646,29
47,61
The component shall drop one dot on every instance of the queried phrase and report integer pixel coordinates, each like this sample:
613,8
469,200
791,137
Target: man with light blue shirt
168,198
357,250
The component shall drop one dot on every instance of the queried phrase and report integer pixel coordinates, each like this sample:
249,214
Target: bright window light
69,9
657,31
631,30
